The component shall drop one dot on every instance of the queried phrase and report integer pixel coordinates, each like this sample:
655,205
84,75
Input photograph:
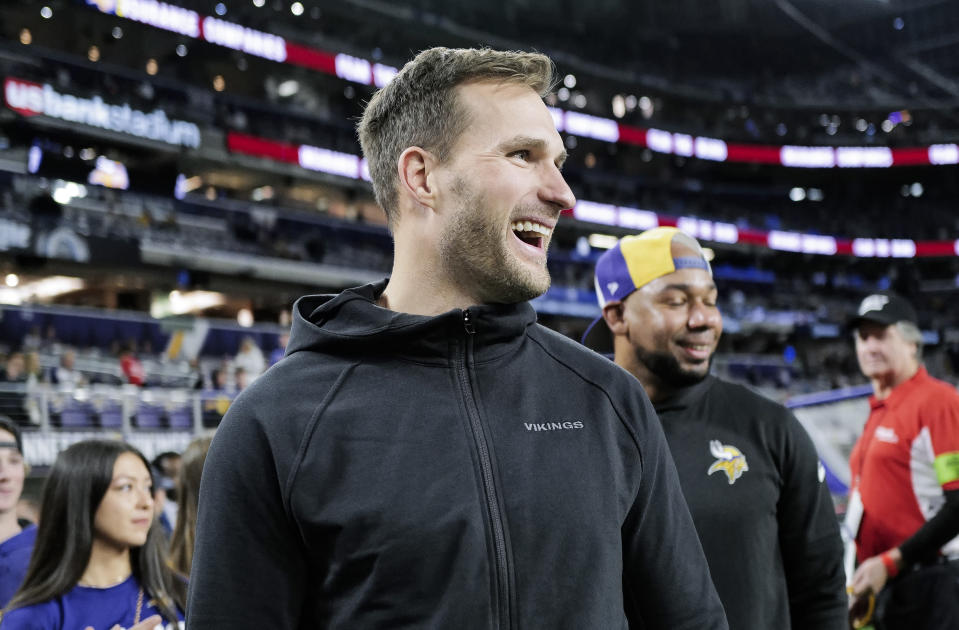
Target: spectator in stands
131,366
161,502
32,340
904,502
217,400
280,348
33,368
426,455
250,358
66,375
188,493
167,467
13,393
766,520
241,378
98,559
51,341
16,536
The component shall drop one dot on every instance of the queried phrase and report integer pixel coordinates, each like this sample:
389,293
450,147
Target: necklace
136,617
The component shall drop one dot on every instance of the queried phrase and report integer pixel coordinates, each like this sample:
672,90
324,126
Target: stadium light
296,8
288,88
46,13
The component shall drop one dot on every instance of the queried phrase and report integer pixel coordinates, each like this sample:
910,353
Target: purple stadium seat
75,414
148,417
180,418
111,416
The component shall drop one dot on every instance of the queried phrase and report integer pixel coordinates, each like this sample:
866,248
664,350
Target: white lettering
711,149
659,140
383,74
327,161
30,98
683,144
353,69
636,219
807,157
248,40
592,127
594,212
785,241
726,233
858,157
944,154
158,14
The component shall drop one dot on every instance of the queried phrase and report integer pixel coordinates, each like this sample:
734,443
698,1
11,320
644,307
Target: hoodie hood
352,323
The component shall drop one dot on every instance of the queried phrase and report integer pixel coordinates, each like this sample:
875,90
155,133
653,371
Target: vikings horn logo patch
729,459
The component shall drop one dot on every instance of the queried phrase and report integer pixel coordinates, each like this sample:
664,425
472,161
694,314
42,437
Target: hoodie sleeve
249,569
666,580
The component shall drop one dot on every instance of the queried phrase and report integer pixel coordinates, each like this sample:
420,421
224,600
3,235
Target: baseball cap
884,307
633,262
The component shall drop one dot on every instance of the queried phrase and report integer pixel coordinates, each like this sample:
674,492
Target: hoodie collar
352,323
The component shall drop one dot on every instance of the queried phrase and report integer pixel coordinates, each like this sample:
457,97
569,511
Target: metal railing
153,419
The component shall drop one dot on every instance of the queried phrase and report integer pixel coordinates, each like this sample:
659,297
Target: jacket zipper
492,503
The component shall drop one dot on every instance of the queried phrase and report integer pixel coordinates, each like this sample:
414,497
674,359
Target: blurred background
173,175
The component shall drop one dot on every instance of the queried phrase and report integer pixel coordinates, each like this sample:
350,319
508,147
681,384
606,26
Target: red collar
901,391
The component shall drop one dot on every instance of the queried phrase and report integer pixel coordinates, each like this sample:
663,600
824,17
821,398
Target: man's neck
418,286
883,385
655,388
9,525
109,565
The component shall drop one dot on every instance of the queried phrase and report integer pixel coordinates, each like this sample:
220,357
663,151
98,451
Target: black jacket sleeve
666,579
936,532
809,537
249,569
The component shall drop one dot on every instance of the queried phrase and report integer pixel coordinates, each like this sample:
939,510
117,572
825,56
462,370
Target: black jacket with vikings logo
753,482
469,470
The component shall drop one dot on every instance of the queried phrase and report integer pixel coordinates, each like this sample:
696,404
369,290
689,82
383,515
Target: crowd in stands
45,382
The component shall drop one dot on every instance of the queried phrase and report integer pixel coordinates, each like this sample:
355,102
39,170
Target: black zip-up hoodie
469,470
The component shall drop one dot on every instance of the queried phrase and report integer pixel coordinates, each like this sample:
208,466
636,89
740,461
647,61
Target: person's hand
870,577
147,624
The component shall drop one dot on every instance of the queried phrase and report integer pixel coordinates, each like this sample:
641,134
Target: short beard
667,369
475,255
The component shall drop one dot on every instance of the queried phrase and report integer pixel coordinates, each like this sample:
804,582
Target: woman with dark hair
16,535
188,492
98,561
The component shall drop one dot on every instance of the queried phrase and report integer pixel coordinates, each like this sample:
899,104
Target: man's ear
614,314
414,168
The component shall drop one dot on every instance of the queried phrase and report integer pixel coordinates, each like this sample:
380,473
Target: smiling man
750,473
426,455
905,472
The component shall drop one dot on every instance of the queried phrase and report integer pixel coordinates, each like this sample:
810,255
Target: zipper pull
468,323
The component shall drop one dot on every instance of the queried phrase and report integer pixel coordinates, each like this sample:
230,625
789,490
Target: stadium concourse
174,175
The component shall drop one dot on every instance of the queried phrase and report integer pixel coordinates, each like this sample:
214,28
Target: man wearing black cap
749,472
904,499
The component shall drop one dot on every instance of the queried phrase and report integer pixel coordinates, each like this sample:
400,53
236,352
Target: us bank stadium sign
34,99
